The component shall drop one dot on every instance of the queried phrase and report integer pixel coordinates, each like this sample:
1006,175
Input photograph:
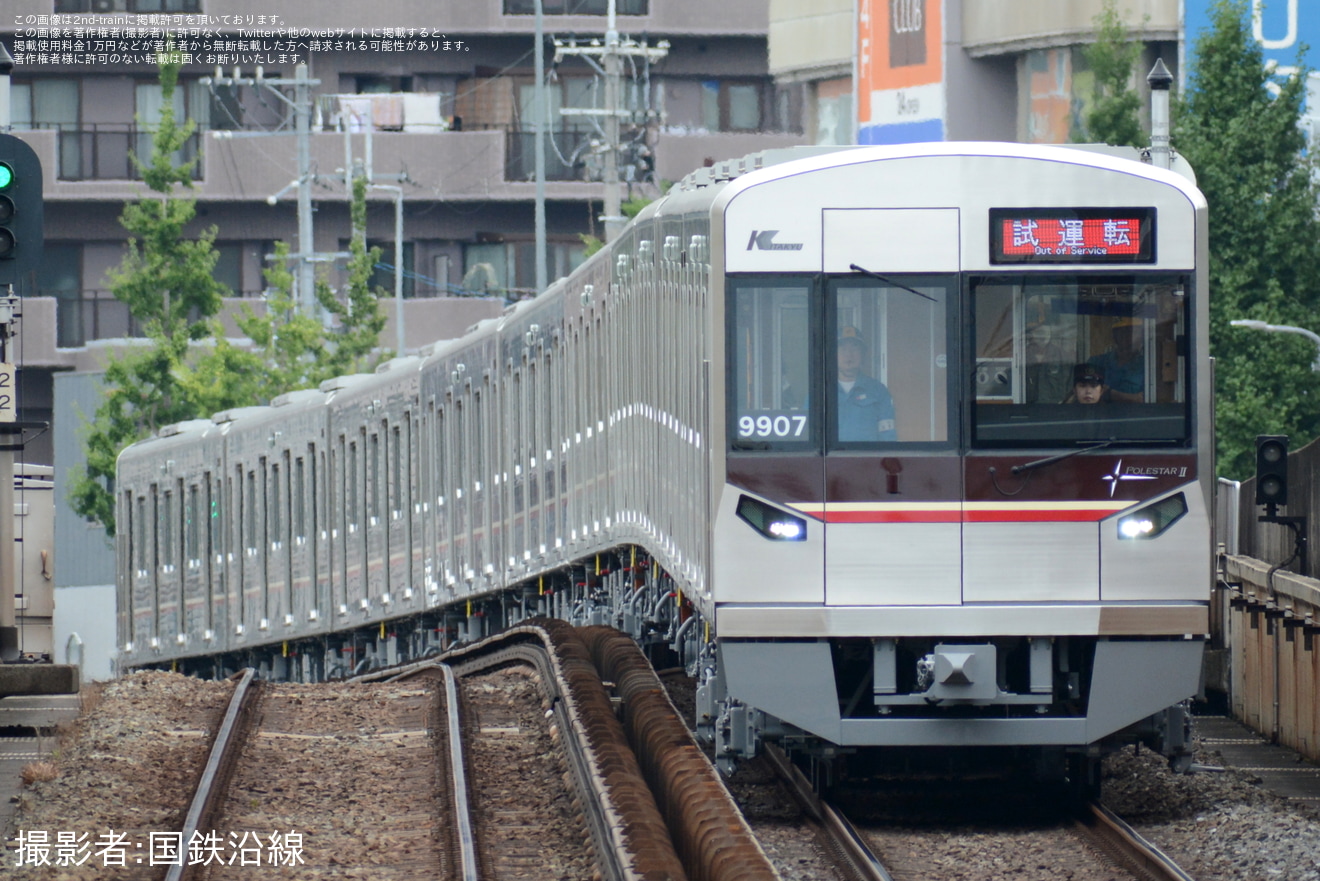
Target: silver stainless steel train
815,424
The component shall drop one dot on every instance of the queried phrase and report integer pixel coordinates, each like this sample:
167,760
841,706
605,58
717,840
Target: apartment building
437,97
888,71
434,97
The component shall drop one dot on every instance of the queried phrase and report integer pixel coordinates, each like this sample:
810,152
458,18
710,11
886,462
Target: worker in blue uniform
866,409
1124,366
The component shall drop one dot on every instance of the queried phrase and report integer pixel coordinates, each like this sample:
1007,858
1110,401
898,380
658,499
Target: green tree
1246,147
167,282
1114,115
291,349
189,369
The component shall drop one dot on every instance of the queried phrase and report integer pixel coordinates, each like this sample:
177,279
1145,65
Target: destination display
1072,235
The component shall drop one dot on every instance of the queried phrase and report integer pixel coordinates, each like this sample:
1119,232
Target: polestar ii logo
765,240
1119,475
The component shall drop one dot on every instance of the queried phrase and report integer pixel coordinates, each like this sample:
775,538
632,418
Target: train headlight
1150,521
771,522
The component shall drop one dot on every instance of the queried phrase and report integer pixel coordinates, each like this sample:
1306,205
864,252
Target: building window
576,7
382,274
229,266
833,112
730,106
509,268
191,101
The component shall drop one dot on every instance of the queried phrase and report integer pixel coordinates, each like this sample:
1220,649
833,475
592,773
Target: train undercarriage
1032,704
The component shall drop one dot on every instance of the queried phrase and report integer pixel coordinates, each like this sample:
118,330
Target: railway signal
21,232
1271,469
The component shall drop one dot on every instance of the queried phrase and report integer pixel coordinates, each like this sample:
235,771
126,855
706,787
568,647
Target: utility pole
301,105
611,55
538,149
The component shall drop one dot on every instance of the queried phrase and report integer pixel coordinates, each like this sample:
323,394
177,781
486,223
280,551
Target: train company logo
764,240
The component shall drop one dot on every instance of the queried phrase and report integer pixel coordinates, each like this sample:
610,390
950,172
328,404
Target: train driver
866,409
1124,366
1088,385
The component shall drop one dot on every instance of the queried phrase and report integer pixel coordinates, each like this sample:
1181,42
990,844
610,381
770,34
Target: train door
396,508
460,450
213,554
168,578
279,588
302,545
196,592
893,480
321,493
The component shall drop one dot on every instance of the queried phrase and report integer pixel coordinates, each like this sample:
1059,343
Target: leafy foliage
1114,115
168,285
1247,149
167,282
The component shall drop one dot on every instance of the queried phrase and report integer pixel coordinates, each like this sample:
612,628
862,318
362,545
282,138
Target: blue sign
1281,27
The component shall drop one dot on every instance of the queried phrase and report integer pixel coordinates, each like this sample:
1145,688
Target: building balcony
91,163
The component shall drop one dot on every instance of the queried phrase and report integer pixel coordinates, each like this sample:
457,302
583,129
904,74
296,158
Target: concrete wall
1000,26
809,37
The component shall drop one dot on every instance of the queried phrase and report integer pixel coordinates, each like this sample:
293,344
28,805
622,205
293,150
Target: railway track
316,777
1096,845
433,773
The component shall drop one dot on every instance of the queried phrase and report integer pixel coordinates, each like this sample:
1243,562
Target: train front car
967,476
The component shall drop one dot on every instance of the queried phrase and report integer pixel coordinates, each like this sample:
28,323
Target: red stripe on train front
954,512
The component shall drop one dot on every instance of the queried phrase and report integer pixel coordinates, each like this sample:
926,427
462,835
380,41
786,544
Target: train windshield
1066,359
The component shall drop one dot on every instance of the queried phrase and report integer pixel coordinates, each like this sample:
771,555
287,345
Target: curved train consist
810,424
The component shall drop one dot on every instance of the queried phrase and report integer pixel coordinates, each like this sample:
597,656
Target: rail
467,846
228,741
1126,846
855,857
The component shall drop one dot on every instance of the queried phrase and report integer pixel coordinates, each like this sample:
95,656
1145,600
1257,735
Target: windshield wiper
855,268
1041,463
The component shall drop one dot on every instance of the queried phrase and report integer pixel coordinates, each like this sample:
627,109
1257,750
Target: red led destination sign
1073,235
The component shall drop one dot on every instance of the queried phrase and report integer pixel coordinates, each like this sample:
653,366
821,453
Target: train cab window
770,370
887,344
1066,359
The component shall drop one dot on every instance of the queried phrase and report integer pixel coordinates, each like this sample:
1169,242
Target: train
892,446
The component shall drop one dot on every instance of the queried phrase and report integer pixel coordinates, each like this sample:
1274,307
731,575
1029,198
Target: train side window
887,351
770,365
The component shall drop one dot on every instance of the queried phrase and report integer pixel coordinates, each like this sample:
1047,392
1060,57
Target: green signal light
6,176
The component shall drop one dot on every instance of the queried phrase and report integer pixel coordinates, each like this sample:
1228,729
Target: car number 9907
783,425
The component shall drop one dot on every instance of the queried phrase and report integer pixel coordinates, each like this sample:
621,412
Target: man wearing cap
1088,385
1124,366
866,409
